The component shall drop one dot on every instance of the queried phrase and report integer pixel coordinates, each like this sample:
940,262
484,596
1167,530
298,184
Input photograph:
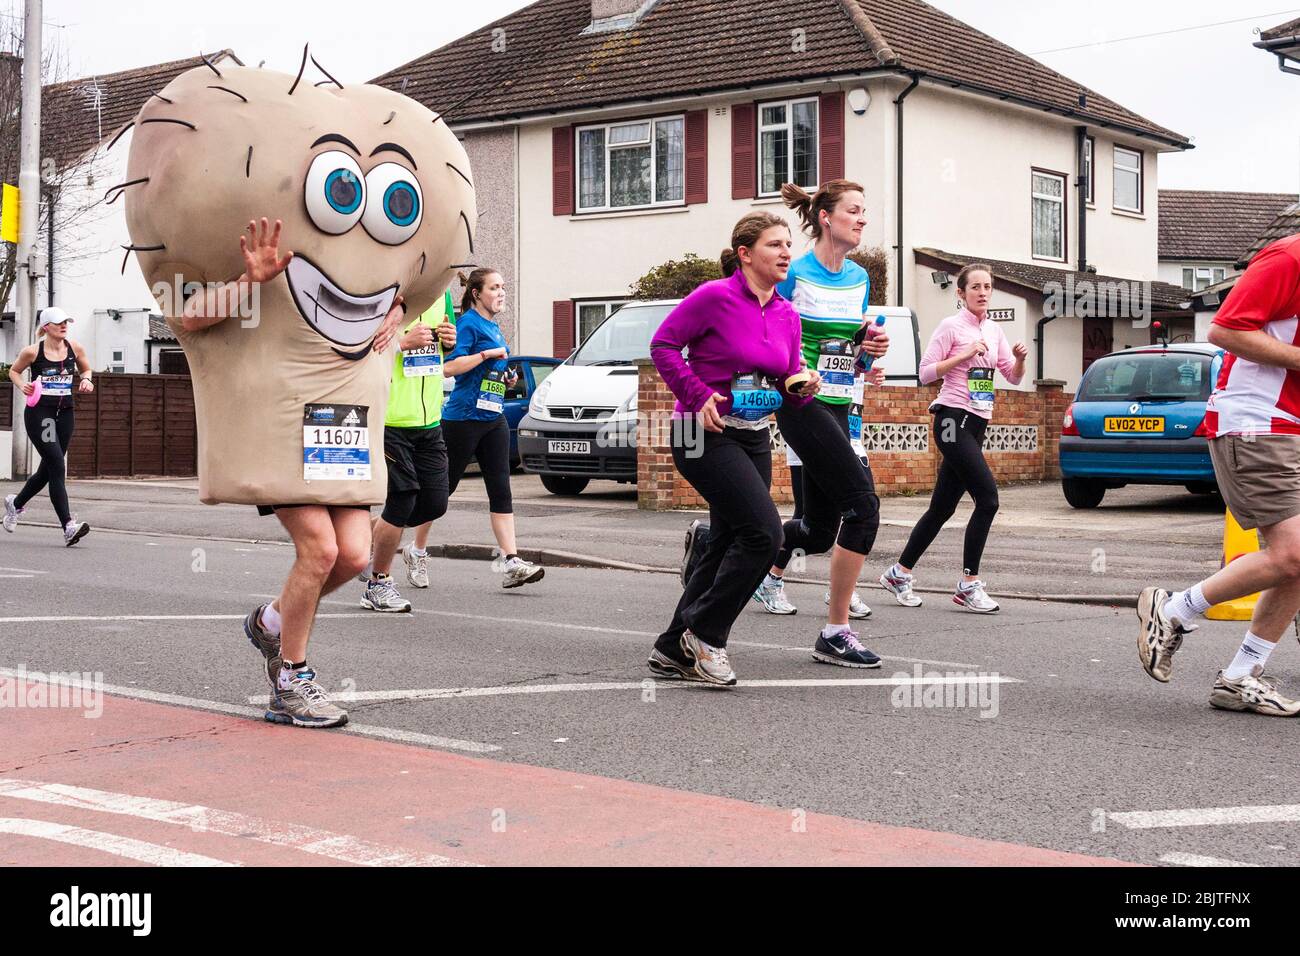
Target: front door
1098,340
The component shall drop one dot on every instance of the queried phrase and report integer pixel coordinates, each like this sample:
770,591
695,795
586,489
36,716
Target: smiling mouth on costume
335,314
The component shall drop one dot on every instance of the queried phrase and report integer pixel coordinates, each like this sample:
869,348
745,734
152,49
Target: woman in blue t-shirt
474,421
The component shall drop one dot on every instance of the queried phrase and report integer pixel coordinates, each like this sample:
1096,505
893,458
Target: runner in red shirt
1253,419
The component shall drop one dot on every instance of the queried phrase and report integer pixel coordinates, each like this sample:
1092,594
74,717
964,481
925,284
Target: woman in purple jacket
743,340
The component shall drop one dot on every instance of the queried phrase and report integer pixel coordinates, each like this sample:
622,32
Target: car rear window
1148,376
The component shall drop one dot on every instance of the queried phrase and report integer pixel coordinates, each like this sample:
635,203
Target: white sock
419,552
1253,651
772,581
897,572
271,619
1186,606
286,675
830,630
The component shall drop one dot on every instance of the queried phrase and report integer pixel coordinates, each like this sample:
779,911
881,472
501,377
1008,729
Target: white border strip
138,850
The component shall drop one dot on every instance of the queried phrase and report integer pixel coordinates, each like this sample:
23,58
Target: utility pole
30,264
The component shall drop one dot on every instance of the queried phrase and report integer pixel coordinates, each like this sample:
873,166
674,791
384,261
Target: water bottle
877,327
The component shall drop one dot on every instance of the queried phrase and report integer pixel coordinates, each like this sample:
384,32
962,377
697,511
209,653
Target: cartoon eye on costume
395,214
335,192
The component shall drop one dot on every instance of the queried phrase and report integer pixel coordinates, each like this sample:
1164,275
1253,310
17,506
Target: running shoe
74,531
973,597
11,513
381,595
266,642
304,704
417,567
697,536
1253,692
662,665
858,609
843,649
900,586
519,572
773,599
710,663
1158,637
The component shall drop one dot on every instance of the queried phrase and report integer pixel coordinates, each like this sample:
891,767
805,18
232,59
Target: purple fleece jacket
727,333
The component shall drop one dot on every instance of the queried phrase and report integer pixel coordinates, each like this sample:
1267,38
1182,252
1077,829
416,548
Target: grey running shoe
381,595
1253,692
417,567
12,512
710,662
304,704
1158,637
773,599
519,572
266,642
696,535
973,597
900,586
664,666
74,531
858,609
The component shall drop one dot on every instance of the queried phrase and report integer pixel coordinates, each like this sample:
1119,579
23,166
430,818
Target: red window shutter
697,156
830,126
562,171
562,329
744,146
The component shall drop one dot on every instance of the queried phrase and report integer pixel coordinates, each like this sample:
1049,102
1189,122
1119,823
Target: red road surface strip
250,793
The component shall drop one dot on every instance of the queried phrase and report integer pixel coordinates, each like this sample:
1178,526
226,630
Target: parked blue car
1138,418
532,371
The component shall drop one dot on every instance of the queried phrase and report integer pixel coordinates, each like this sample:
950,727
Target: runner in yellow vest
416,456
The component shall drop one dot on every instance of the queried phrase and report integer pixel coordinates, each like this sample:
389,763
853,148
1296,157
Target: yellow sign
9,213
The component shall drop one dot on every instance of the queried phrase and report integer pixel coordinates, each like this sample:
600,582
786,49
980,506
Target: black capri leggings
52,444
838,503
489,442
960,437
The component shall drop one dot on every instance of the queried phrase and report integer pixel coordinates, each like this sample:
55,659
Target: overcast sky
1242,113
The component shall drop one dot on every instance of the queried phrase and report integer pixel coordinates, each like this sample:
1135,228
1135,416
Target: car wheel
564,485
1203,488
1083,493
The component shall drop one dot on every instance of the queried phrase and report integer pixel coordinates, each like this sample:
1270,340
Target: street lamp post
29,190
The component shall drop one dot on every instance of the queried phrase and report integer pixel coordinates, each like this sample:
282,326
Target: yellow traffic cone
1236,542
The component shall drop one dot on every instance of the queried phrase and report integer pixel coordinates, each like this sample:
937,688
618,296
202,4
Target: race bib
492,393
418,363
855,419
979,385
56,386
335,443
835,366
752,402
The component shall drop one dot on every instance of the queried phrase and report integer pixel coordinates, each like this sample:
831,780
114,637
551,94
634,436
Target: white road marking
1207,817
25,570
148,617
239,710
1191,859
138,850
201,819
446,693
17,575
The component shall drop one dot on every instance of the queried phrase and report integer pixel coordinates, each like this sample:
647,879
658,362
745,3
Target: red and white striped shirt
1253,399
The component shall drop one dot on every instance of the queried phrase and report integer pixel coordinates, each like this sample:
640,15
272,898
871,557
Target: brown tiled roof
1208,224
685,47
1287,223
158,330
1165,297
71,126
1289,29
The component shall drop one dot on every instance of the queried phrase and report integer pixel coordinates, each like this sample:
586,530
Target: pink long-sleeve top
954,334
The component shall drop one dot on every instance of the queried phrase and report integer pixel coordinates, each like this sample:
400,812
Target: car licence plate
1139,425
568,447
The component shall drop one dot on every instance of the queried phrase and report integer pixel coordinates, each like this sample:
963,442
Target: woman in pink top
965,351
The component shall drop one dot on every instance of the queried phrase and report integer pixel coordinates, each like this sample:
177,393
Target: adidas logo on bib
352,418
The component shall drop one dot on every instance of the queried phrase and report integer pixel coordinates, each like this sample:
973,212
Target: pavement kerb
554,558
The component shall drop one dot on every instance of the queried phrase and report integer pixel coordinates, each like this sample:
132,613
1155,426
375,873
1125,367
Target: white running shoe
417,567
11,513
973,597
1158,637
773,599
519,572
857,607
74,531
900,586
711,663
381,595
1253,692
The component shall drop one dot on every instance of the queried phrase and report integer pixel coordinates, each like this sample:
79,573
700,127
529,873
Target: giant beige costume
376,199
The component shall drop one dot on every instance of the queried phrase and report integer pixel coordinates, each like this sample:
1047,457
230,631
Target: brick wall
660,487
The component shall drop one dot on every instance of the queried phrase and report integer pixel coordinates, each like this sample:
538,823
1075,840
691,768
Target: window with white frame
787,145
1196,278
627,165
1089,150
119,361
1049,216
591,314
1128,179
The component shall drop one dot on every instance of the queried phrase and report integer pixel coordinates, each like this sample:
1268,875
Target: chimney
607,15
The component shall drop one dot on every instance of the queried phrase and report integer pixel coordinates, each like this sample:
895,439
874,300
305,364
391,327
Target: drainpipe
1038,341
1082,137
898,185
49,269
